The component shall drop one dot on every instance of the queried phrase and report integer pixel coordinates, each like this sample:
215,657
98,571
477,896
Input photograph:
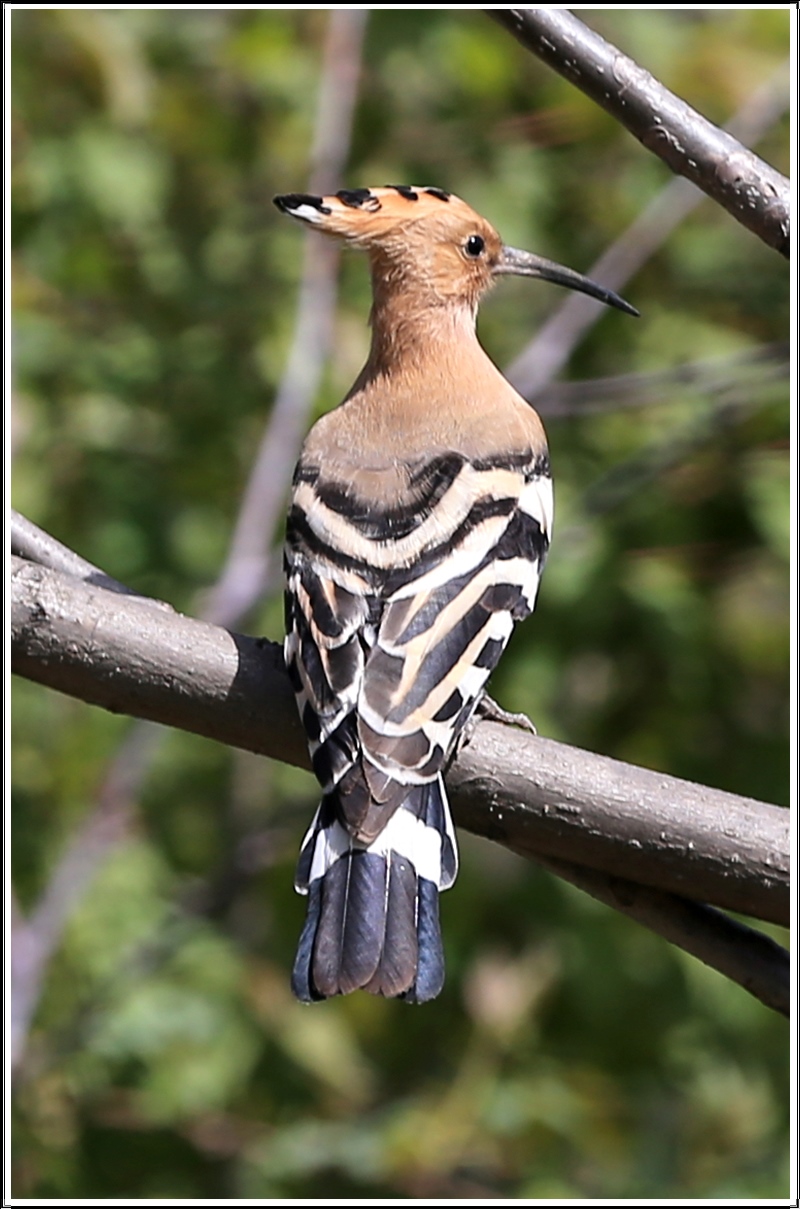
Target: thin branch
32,543
531,794
36,938
628,477
746,186
750,958
552,346
245,571
242,577
752,369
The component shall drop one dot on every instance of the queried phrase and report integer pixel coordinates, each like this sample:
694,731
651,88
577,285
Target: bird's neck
410,327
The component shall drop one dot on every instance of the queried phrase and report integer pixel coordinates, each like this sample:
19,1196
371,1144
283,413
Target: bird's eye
474,245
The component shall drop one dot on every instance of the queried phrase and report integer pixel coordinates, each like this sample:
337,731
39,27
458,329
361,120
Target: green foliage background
571,1054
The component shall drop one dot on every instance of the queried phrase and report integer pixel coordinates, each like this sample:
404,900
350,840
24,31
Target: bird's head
424,239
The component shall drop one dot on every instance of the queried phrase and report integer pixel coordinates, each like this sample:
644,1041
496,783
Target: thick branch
538,796
530,794
747,187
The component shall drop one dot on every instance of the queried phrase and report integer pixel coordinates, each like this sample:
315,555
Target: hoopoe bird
420,519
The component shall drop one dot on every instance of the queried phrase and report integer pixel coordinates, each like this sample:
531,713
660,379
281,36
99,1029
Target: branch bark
30,542
531,794
748,188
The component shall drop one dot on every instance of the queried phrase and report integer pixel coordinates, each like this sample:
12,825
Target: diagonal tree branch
755,961
538,797
552,346
747,187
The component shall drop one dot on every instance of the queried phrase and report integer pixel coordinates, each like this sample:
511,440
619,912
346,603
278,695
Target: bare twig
751,370
755,961
31,542
548,352
528,793
36,939
747,187
245,571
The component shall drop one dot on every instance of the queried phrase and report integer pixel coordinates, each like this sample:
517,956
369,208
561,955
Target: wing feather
396,617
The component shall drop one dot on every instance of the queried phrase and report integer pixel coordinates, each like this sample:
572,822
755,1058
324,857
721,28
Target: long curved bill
526,264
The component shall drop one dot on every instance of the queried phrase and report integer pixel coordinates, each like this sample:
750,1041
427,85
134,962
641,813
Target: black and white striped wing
445,627
328,633
395,622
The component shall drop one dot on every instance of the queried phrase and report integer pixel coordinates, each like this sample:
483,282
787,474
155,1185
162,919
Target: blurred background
155,288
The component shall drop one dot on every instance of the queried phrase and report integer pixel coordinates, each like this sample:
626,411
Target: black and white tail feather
373,910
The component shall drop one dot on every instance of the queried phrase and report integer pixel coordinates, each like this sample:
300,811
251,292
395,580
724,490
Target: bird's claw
488,709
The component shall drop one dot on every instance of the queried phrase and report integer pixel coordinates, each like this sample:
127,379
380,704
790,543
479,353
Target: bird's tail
373,909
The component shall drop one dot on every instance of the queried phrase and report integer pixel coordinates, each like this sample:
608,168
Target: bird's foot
488,709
